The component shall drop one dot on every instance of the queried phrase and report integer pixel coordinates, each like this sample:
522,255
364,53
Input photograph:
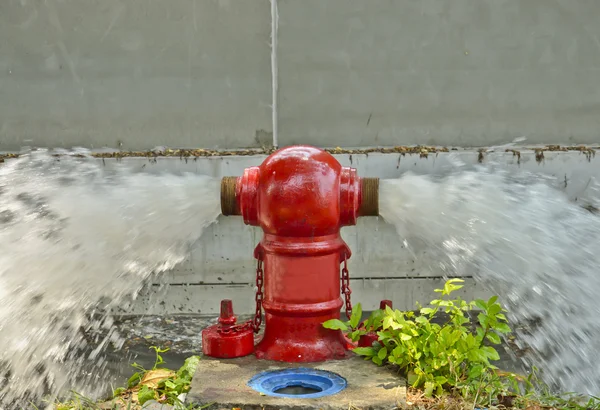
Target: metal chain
259,296
346,291
226,330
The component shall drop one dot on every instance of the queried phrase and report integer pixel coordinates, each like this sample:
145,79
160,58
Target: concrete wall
135,74
197,73
222,264
460,72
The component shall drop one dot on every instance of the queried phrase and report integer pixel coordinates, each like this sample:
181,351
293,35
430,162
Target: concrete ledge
222,384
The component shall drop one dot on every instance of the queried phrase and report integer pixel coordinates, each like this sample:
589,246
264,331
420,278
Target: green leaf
492,300
494,309
480,303
450,286
134,379
356,316
480,334
169,384
364,351
377,360
335,324
382,353
375,320
384,335
490,353
502,327
404,337
483,320
119,391
159,350
494,338
441,380
188,369
501,316
475,371
427,311
429,386
388,322
476,356
399,351
146,394
421,320
412,378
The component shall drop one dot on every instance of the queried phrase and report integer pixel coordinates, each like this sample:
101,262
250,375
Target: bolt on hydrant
301,197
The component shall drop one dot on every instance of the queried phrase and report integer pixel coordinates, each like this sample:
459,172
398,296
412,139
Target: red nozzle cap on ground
384,303
227,317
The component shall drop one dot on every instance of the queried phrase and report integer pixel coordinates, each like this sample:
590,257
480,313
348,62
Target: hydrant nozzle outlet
229,201
369,203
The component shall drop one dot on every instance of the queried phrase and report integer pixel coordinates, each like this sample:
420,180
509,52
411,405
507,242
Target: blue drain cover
310,383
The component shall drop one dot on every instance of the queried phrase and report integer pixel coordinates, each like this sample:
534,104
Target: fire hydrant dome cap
301,195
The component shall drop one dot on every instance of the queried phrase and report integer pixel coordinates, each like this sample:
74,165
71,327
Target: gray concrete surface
461,72
224,383
221,264
197,73
135,74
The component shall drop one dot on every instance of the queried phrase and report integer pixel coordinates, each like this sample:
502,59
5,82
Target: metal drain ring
326,383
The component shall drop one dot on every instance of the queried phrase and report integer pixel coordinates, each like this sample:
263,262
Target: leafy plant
350,326
164,385
534,393
438,358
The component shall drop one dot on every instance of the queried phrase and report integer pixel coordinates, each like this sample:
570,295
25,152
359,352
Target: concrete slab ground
224,384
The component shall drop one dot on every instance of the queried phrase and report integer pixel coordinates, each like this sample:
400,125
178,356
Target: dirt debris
539,155
516,153
422,150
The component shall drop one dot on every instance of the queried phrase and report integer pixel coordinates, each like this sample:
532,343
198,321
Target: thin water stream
78,238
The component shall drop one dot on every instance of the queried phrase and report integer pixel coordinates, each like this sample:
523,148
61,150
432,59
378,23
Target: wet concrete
222,384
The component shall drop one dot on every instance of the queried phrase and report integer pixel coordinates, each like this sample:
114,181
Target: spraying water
520,236
77,238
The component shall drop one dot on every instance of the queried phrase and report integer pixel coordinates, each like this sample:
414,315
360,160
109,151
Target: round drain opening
298,383
298,390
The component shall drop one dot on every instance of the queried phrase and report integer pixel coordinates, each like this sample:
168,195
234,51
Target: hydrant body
300,196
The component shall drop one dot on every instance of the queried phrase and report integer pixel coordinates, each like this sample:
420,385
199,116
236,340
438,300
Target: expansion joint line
274,71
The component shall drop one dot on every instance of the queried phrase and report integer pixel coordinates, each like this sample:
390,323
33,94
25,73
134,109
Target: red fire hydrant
300,196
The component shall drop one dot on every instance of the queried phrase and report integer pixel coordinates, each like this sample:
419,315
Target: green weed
158,383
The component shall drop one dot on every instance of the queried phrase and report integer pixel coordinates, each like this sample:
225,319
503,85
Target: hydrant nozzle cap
229,201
